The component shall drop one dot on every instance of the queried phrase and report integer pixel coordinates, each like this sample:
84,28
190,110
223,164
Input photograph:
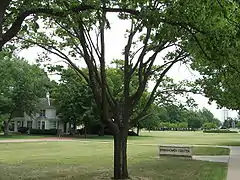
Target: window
43,125
53,124
19,124
39,124
43,112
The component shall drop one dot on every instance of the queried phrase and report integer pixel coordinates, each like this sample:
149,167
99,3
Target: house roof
43,104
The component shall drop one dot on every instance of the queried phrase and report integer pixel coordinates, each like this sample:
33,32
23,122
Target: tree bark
6,123
101,130
3,6
138,128
120,155
65,127
6,128
117,156
85,132
120,148
124,154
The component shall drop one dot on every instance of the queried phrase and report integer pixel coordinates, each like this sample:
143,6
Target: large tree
21,86
217,60
14,15
172,27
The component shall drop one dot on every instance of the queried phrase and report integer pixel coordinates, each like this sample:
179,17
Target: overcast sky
115,43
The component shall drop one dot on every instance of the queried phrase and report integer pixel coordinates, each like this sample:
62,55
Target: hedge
44,131
220,131
22,129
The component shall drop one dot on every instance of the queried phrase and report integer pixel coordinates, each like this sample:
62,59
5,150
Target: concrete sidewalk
234,164
35,140
224,159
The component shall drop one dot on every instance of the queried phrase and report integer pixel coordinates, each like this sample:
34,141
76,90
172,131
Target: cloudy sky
115,43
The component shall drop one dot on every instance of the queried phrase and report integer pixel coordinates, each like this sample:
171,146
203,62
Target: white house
44,118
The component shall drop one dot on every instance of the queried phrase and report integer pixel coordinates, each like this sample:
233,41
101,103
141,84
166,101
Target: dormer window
42,112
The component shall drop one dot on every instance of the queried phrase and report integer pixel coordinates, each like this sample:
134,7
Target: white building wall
50,113
15,126
34,124
25,123
60,125
47,125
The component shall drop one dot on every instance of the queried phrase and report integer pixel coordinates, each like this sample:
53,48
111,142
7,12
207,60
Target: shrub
44,131
220,131
22,129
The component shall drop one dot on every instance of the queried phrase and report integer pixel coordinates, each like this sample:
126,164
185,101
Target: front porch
43,124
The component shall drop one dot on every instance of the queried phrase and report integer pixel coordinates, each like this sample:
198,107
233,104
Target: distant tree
150,121
194,120
2,123
20,87
74,101
226,124
174,113
208,117
182,125
209,126
238,125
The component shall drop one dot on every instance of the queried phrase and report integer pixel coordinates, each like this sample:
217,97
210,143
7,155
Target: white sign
185,151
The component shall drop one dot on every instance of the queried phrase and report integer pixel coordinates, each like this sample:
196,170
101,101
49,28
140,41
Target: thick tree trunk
101,130
75,125
124,155
65,127
120,155
117,156
138,129
85,132
6,128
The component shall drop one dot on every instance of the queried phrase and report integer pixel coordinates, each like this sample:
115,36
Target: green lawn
92,159
178,137
198,137
165,137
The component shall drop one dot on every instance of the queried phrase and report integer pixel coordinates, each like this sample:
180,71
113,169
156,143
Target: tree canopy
21,86
185,30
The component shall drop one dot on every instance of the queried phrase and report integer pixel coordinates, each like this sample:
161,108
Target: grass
179,137
211,151
165,137
92,159
198,137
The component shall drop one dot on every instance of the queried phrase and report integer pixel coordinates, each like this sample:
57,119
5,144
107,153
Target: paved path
224,159
36,140
234,164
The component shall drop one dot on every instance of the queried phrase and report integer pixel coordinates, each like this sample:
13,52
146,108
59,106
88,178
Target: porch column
15,126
